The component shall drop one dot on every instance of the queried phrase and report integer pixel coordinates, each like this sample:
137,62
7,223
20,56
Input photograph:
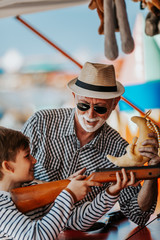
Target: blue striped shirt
58,152
47,224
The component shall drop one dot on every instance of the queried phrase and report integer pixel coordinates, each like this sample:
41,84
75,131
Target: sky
74,29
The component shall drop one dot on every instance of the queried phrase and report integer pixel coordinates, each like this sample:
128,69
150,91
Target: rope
154,128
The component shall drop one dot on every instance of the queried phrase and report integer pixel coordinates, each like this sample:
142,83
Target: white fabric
10,8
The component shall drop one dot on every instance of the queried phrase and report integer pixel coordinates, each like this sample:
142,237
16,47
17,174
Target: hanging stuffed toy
152,21
152,24
113,17
152,5
133,157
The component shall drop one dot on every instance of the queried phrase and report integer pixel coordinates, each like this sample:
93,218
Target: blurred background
33,75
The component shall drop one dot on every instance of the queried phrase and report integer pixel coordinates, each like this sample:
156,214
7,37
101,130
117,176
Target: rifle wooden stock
32,197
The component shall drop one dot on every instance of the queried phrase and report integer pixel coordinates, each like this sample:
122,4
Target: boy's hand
79,172
80,187
122,182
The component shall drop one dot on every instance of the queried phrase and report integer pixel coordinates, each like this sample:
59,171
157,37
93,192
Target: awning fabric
10,8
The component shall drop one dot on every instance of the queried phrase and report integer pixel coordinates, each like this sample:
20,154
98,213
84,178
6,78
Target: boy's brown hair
11,141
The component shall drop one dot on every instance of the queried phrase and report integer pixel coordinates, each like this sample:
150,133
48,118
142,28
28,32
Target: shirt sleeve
84,216
18,226
129,206
30,129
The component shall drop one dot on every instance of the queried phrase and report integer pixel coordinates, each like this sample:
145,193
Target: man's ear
116,100
7,166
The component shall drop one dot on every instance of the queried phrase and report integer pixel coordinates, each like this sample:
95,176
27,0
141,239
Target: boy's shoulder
34,182
5,200
4,194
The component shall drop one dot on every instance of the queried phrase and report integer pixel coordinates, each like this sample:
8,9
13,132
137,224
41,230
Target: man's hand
149,191
152,150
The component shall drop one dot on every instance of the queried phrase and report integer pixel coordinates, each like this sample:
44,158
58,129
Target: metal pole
48,41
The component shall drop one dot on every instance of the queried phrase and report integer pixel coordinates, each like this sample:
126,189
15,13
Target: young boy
17,167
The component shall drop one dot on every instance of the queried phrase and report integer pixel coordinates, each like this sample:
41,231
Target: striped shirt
58,152
45,224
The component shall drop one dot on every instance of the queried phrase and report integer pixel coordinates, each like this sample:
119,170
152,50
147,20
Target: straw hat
96,81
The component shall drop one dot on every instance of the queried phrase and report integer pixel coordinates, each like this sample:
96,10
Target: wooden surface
120,230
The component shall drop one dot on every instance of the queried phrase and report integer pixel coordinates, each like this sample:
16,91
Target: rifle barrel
141,173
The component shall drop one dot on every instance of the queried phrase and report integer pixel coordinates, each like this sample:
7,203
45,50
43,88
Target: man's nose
91,112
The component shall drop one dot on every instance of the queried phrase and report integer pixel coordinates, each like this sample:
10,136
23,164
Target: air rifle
32,197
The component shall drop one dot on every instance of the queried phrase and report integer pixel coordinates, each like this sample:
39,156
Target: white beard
87,127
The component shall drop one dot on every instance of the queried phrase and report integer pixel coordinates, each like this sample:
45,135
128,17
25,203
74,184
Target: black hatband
96,88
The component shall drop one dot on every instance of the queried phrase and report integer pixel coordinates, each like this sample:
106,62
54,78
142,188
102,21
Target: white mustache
86,126
91,119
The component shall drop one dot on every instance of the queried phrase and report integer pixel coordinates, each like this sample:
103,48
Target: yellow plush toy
152,24
133,157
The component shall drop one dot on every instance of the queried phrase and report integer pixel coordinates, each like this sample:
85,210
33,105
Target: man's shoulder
48,118
52,120
47,113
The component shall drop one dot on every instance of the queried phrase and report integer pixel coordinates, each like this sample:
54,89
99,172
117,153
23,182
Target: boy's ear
7,166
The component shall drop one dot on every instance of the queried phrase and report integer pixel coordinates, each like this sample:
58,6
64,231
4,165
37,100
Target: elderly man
68,140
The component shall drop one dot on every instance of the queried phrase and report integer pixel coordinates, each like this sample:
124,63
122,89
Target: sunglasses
84,107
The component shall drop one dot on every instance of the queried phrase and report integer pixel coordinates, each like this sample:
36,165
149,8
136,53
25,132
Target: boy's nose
33,160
